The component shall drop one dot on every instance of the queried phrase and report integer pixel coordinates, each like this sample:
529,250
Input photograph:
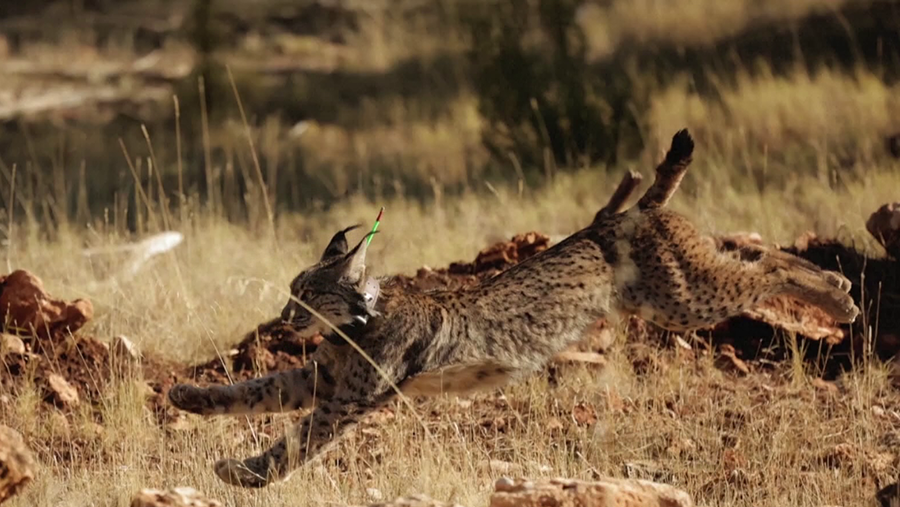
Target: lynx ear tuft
338,245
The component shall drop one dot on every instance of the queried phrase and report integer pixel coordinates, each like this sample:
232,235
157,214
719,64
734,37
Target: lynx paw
190,398
838,280
845,310
682,148
237,473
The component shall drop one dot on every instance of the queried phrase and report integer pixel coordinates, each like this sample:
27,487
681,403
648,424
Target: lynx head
336,287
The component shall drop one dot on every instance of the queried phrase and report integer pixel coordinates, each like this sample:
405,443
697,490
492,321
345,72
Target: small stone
374,494
681,343
11,344
16,464
504,484
124,349
62,391
729,361
176,497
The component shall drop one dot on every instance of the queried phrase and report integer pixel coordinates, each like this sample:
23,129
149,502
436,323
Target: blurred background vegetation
117,110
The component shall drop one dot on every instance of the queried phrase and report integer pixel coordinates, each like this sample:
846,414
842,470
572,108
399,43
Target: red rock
729,361
61,391
584,414
11,344
25,305
16,464
505,254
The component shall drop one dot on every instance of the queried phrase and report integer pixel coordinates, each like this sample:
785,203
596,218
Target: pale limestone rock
573,493
176,497
16,464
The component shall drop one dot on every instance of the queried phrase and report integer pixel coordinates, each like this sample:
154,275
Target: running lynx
646,261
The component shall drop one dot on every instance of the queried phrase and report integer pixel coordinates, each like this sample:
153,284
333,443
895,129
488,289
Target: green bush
540,97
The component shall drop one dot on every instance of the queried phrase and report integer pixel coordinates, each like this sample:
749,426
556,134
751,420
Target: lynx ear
354,264
338,245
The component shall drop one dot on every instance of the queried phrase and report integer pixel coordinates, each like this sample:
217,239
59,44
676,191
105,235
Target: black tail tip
682,147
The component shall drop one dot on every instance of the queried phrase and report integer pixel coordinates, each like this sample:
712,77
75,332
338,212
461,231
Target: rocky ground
42,347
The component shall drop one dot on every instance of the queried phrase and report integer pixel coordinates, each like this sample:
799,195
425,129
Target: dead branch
670,172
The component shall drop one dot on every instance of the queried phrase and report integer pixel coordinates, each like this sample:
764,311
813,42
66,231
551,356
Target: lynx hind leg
826,289
753,252
459,379
670,172
688,283
833,278
616,203
804,280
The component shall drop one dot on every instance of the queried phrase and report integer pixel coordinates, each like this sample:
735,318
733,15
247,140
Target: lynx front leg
312,436
278,392
360,390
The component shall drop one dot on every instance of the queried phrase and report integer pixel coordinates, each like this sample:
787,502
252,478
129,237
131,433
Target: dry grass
775,155
679,418
685,23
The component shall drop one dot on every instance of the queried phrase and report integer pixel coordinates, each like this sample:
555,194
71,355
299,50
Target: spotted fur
647,261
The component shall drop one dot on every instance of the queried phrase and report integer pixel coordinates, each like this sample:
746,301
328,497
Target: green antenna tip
375,227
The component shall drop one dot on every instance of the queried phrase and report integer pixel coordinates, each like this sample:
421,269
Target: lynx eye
297,294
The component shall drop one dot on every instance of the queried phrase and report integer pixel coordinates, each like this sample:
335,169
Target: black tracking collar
353,330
